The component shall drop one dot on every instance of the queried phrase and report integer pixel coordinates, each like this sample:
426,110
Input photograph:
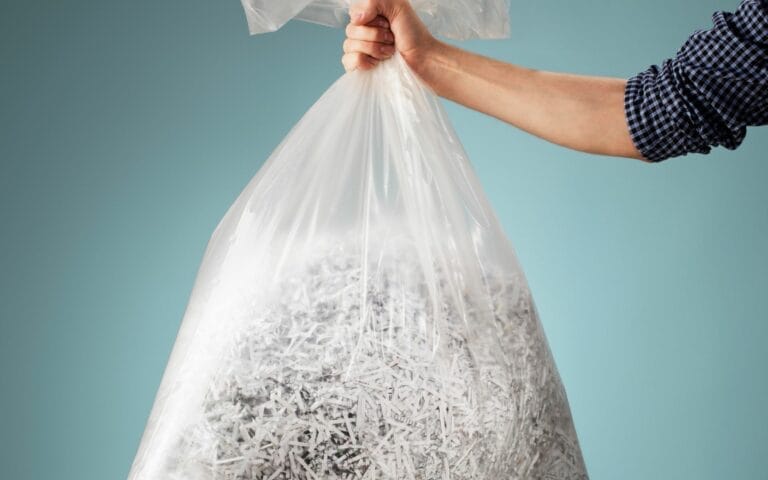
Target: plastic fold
456,19
359,312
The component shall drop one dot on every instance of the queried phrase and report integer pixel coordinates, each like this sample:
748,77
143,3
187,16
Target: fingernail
387,49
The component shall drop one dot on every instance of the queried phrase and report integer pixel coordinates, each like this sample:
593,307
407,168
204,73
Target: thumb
363,12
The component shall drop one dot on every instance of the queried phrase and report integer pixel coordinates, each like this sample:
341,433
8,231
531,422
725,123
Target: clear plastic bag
458,19
360,314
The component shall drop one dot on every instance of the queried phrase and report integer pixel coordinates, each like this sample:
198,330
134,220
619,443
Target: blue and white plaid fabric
707,95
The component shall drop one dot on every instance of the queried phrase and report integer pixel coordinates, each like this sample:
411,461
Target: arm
707,95
579,112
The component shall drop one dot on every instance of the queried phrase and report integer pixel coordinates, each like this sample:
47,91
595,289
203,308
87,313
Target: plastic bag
359,314
458,19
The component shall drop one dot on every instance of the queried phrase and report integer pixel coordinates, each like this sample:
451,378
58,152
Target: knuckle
373,49
373,34
368,33
360,33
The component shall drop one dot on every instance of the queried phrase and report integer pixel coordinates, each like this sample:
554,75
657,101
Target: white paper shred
325,381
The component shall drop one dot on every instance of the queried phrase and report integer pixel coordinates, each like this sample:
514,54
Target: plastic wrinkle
457,19
359,313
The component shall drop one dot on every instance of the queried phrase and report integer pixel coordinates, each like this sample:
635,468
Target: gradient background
129,127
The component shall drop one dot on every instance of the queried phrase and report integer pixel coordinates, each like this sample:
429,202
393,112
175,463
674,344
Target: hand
379,27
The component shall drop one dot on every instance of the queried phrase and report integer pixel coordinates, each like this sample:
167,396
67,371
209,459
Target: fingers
362,12
376,50
367,44
358,60
370,34
379,21
369,38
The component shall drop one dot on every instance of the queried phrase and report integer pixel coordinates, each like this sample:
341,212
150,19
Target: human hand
379,27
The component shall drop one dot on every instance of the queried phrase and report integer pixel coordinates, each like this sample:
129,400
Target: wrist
425,59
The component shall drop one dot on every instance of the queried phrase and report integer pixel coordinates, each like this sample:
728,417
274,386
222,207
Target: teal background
128,128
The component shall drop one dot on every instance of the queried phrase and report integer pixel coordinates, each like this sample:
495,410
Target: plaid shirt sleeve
715,86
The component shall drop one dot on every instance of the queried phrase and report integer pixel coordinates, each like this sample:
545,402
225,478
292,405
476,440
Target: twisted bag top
457,19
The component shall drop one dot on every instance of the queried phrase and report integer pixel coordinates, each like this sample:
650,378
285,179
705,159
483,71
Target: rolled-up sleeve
706,96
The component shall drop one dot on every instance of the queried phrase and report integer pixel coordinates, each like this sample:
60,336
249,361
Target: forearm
579,112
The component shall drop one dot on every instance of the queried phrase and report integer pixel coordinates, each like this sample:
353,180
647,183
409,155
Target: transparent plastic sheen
458,19
360,314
